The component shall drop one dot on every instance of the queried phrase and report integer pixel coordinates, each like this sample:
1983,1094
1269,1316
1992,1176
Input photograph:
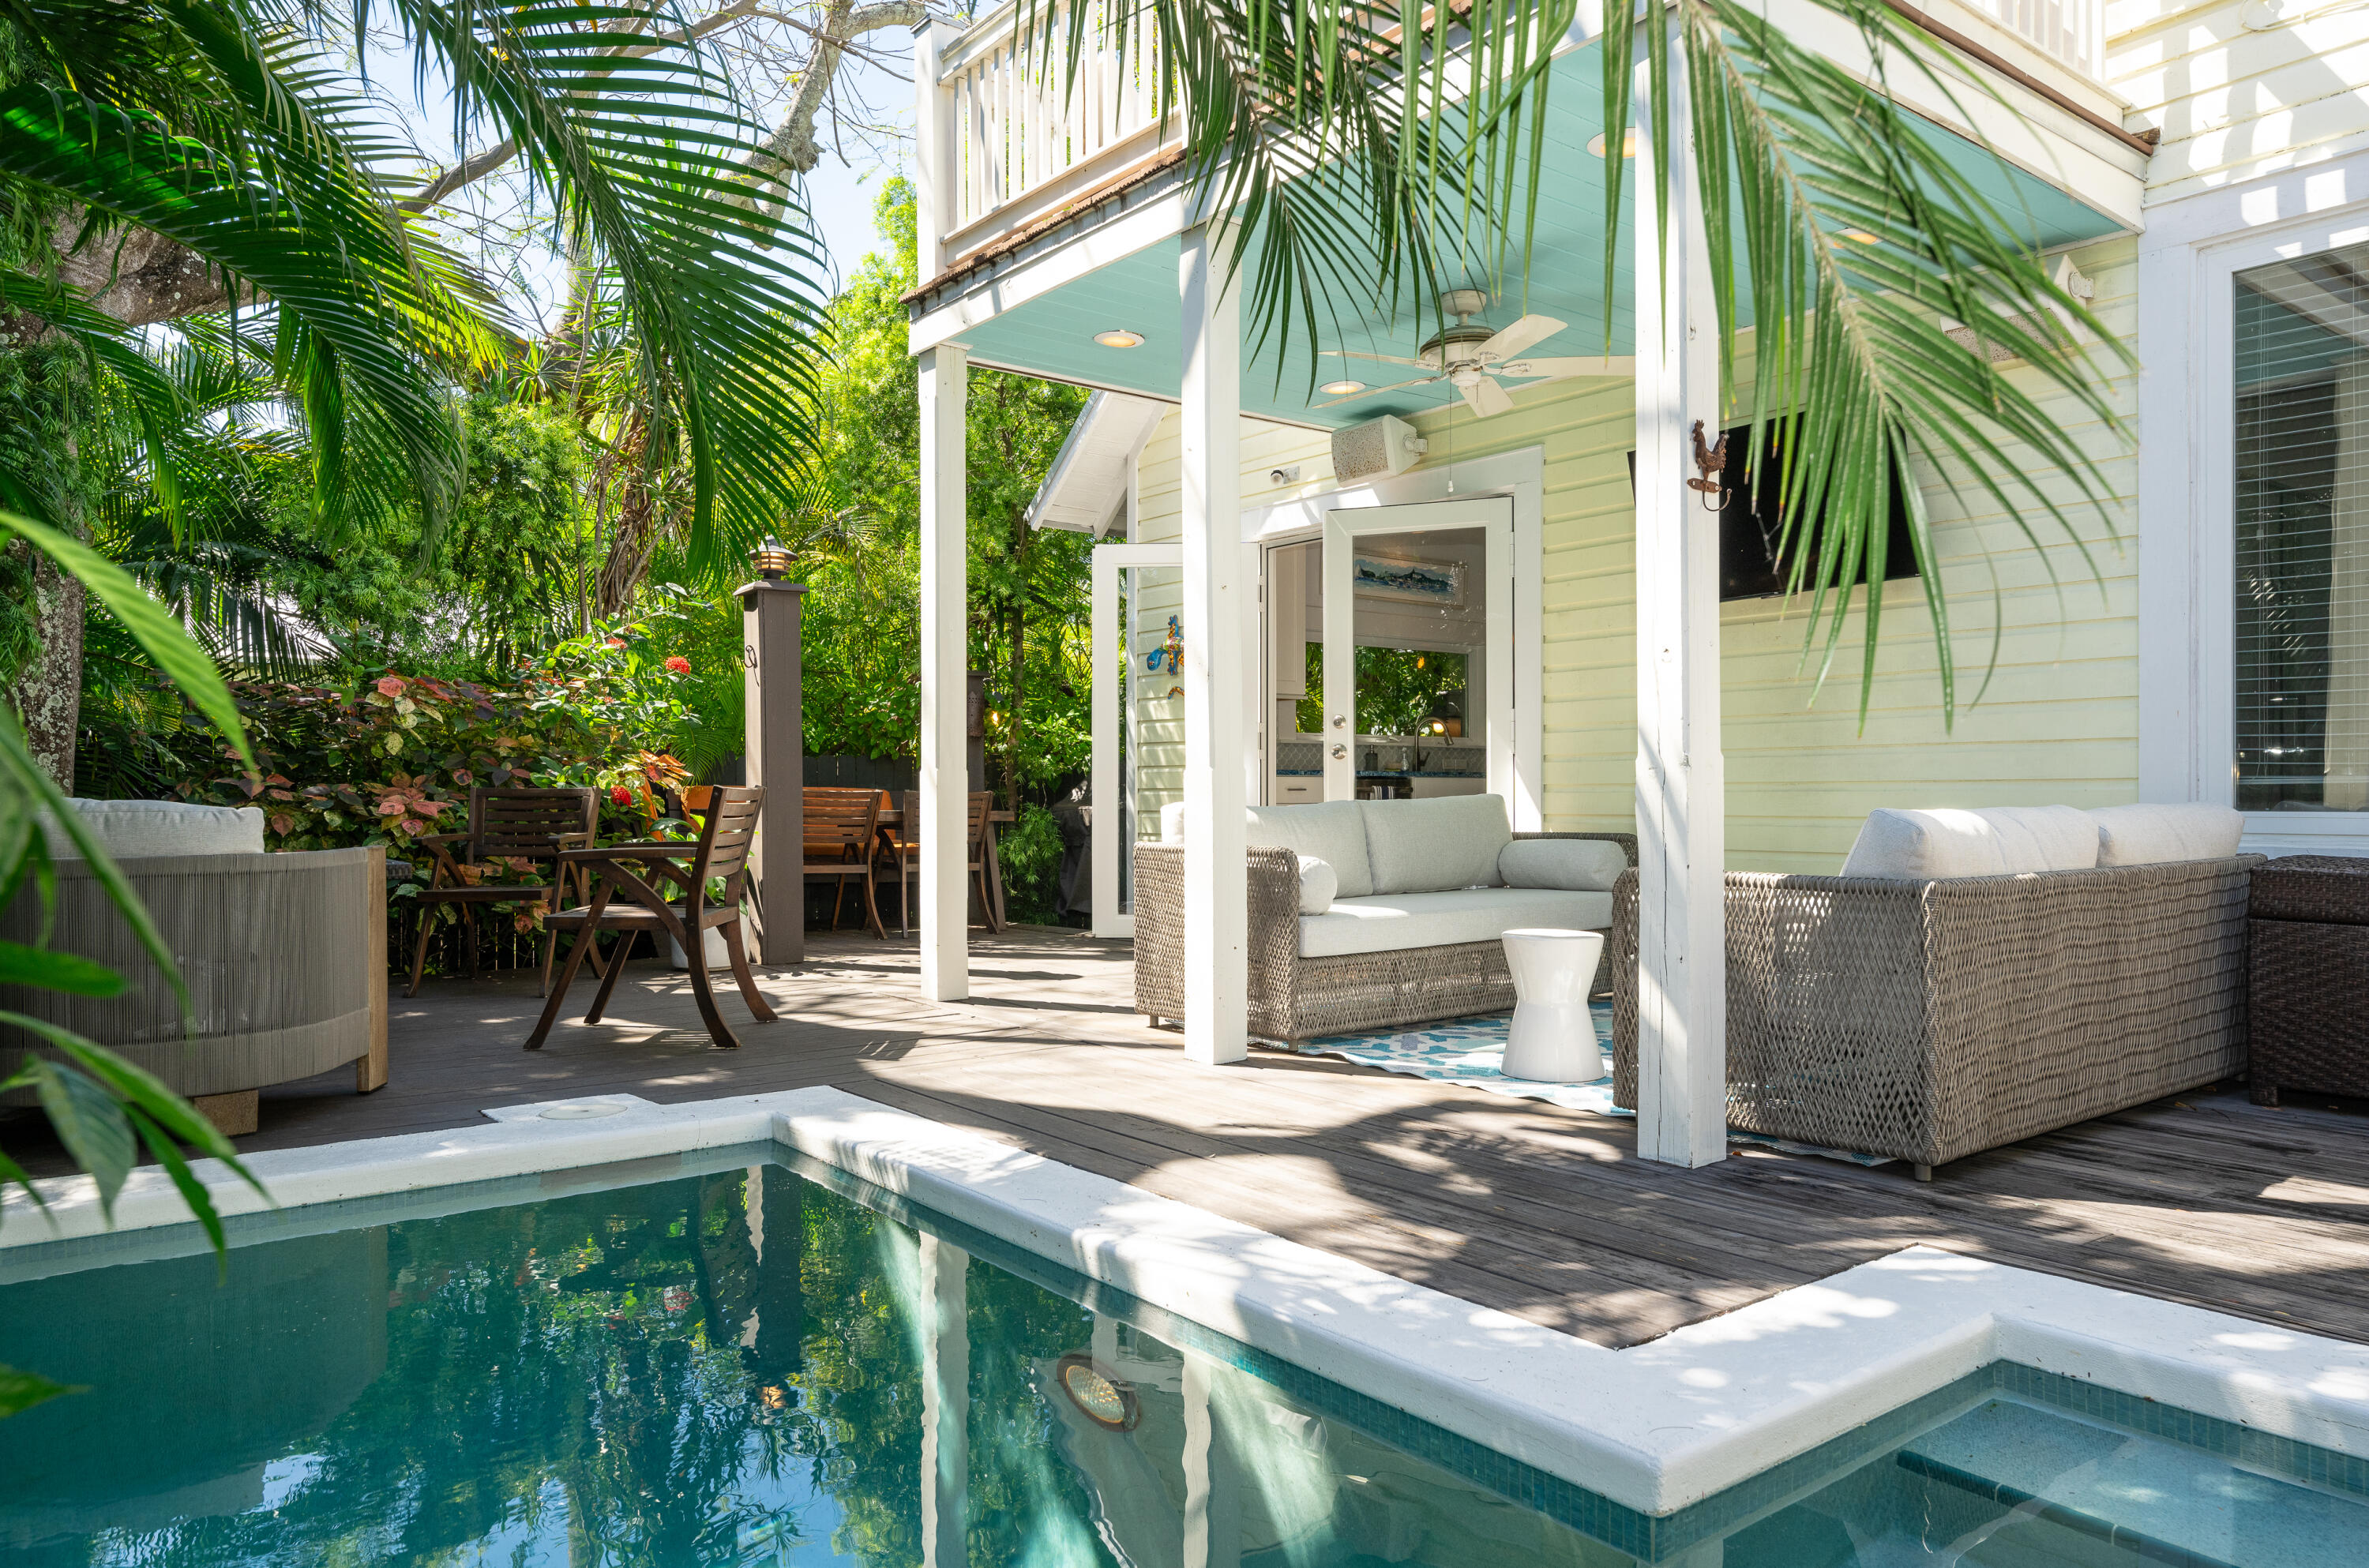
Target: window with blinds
2303,533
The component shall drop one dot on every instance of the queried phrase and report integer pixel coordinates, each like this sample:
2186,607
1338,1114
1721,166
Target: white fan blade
1618,365
1484,396
1380,359
1521,335
1373,392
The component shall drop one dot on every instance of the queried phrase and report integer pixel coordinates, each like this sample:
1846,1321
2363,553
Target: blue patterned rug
1471,1051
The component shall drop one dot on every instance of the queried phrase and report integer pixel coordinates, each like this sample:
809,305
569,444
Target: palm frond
636,137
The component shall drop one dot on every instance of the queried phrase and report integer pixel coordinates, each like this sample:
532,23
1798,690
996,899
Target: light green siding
2058,721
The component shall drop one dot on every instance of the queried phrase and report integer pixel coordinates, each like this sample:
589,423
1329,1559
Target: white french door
1117,741
1417,560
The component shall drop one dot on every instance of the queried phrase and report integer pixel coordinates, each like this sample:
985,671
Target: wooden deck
1543,1212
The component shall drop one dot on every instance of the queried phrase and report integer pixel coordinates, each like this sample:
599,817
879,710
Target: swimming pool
741,1356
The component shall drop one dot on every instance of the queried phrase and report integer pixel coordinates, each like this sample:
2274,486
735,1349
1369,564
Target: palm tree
208,167
1358,163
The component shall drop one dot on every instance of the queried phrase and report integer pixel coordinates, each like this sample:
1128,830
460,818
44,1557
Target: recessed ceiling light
1859,236
1628,144
1341,388
1119,338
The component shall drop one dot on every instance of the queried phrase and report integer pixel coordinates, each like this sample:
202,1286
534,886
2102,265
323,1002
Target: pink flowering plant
391,757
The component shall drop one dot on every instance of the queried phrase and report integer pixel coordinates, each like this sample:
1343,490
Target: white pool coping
1654,1428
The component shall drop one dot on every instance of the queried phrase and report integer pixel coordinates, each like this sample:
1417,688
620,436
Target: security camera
1283,476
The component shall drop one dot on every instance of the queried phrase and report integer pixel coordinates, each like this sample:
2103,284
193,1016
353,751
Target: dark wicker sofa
1297,998
1930,1020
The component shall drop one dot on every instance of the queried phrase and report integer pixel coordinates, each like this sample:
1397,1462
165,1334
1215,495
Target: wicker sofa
1428,945
284,955
1929,1018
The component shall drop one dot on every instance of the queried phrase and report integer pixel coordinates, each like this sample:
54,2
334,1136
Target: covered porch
1050,254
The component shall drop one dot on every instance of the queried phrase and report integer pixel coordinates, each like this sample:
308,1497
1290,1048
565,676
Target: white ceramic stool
1552,1038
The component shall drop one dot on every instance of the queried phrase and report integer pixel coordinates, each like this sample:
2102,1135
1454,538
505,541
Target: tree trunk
49,689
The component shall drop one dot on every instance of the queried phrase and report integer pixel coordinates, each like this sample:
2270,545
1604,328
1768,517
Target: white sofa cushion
1329,830
1575,865
1393,922
135,830
1999,842
1318,885
1433,846
2044,838
2149,835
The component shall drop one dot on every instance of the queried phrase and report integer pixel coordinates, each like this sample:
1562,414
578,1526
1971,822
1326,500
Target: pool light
1119,338
1104,1401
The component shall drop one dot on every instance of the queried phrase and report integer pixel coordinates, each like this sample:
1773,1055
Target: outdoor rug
1471,1051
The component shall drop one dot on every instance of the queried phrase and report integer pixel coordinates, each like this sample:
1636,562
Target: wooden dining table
893,816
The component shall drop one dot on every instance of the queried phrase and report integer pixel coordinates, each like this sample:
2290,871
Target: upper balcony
1006,150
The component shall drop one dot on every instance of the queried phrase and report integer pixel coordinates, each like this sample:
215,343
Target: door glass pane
1151,606
1420,623
2302,678
1295,611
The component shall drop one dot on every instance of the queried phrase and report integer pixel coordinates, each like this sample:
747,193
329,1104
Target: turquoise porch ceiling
1052,336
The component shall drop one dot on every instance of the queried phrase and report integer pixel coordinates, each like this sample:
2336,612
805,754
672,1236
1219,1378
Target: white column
946,771
1217,895
945,1405
1213,1513
1681,781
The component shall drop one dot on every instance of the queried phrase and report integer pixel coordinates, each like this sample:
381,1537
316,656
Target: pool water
747,1363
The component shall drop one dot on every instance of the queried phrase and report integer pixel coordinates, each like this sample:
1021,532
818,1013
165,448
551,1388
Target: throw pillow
1317,884
1571,865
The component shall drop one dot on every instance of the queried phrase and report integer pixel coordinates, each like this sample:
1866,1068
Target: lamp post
770,611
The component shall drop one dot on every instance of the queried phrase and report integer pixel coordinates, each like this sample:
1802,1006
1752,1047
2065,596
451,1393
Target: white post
1110,668
945,1405
1217,886
937,165
946,769
1681,779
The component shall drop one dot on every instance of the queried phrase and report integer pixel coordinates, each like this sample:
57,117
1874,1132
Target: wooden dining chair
842,843
904,861
662,889
505,824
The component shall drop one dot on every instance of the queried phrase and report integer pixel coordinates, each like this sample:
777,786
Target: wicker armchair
1932,1020
2309,989
1293,998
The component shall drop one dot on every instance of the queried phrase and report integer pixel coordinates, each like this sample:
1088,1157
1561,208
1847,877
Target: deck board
1540,1211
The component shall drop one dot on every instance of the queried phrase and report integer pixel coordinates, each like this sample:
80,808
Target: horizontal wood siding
2057,721
2237,90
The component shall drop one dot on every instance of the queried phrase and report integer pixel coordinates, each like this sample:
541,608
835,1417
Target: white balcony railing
2071,32
1020,143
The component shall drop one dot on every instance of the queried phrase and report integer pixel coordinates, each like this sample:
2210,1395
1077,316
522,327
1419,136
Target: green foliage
1030,851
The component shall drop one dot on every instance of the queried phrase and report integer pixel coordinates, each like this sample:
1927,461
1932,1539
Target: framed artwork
1408,580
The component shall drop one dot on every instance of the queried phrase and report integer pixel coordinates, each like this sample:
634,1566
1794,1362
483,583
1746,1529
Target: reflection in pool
751,1366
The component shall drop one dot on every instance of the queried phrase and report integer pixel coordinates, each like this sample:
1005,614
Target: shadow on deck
1540,1211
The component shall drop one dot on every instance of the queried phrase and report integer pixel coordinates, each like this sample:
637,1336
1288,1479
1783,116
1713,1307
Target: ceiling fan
1469,357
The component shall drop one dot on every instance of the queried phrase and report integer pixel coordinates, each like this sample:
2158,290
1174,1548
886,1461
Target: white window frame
2188,264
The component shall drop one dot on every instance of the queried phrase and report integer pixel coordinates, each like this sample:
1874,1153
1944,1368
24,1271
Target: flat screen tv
1750,524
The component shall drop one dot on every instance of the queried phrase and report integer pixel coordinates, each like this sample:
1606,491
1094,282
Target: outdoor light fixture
1119,338
1341,388
1104,1401
772,559
1628,144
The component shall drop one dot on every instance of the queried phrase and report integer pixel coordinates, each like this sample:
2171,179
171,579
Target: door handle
1340,721
1339,751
